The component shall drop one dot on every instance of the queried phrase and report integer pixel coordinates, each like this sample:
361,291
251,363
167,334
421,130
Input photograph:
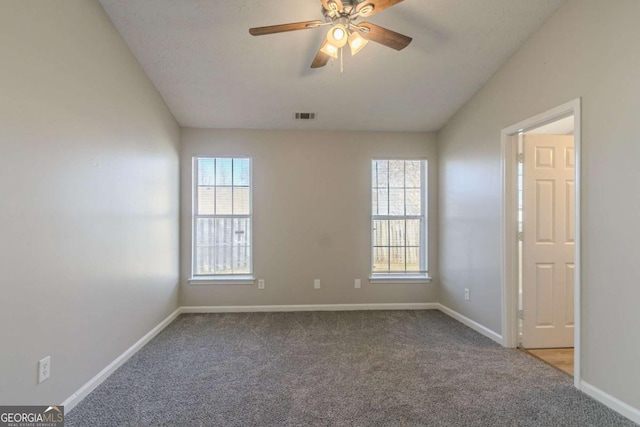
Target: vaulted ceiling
213,74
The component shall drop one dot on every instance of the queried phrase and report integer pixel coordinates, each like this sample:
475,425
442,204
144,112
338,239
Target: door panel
548,241
545,210
544,295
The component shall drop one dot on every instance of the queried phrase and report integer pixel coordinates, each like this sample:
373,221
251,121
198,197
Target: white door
548,241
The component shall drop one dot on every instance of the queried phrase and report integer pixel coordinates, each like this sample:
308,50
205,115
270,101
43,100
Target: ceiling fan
344,30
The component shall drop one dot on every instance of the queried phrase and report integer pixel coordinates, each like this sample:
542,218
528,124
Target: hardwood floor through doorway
561,358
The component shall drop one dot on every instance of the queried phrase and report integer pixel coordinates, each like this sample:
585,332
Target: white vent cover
304,116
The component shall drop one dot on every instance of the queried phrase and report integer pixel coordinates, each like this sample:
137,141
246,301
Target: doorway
546,239
541,232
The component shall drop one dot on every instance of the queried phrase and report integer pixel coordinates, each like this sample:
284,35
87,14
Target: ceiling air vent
304,116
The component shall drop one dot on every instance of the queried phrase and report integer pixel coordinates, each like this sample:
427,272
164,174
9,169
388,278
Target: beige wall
88,214
588,49
311,215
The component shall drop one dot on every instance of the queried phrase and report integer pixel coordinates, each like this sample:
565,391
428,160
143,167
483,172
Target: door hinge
521,314
520,157
520,236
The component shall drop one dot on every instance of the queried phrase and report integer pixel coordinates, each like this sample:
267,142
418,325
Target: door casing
509,245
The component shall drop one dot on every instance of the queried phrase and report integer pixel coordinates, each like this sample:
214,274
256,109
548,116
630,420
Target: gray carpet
374,368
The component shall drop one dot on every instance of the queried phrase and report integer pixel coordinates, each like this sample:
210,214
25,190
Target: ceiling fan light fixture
337,35
356,42
340,18
329,49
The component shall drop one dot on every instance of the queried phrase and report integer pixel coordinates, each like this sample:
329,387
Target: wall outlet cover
44,369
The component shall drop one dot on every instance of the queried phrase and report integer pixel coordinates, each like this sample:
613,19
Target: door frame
509,256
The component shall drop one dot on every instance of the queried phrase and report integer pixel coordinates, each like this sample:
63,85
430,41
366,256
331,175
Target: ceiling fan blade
272,29
384,36
327,6
378,6
321,58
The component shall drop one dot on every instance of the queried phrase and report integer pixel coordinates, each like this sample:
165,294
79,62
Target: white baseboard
472,324
606,399
308,307
94,382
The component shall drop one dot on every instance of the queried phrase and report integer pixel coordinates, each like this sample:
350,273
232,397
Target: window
222,218
398,220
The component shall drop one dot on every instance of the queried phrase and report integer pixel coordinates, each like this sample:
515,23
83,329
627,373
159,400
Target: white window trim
418,279
395,278
228,279
222,280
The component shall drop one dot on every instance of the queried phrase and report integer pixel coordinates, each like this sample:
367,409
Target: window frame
399,276
219,279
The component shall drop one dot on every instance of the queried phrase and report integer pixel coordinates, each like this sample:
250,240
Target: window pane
241,246
412,201
396,257
203,261
396,173
413,259
241,175
204,245
203,232
380,233
241,202
383,200
205,171
224,260
206,200
412,174
396,201
413,232
242,230
242,260
374,202
383,173
397,233
223,200
380,260
223,171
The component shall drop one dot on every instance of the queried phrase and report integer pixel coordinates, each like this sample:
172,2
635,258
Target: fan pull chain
341,62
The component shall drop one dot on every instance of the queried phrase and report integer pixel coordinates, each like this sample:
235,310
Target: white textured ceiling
213,74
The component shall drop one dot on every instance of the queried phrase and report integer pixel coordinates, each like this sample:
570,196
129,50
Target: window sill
222,280
400,278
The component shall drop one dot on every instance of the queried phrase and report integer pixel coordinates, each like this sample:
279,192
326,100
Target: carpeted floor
366,368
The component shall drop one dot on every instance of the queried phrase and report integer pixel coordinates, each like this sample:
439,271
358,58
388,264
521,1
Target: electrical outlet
316,284
44,369
357,284
467,294
261,284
